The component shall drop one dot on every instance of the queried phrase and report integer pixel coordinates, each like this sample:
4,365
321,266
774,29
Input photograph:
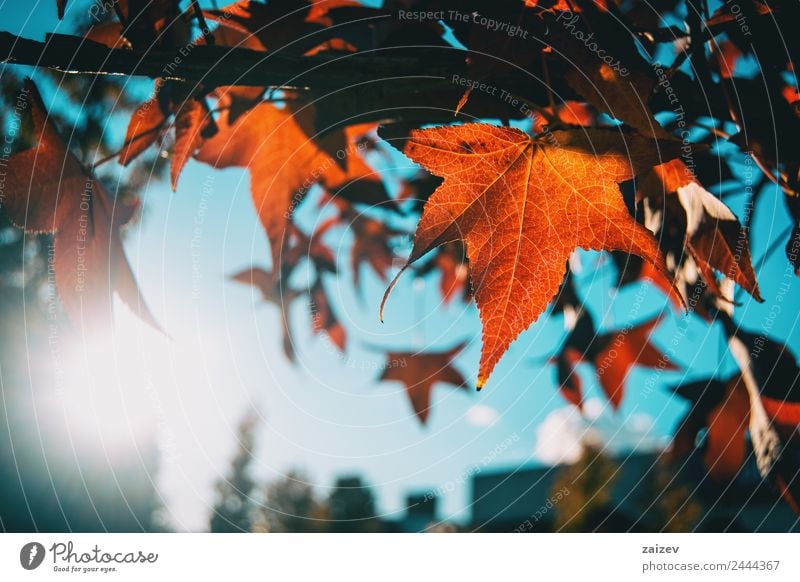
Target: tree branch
392,84
214,66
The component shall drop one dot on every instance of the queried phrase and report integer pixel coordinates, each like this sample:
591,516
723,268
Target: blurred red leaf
420,371
49,190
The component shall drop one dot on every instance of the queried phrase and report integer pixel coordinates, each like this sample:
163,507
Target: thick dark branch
213,66
390,83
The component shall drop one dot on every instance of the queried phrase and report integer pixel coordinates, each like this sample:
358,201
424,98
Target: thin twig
127,144
773,178
714,130
676,65
201,21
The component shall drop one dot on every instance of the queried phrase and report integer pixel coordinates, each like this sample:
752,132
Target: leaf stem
135,138
201,21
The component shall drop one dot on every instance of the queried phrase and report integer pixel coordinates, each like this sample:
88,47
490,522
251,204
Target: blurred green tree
233,511
290,505
351,506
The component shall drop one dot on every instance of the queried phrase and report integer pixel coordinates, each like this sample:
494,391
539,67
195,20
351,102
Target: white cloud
482,415
560,438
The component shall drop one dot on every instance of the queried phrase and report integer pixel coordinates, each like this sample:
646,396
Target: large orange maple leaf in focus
522,205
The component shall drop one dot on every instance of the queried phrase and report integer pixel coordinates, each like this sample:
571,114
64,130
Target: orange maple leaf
283,161
144,129
192,120
522,205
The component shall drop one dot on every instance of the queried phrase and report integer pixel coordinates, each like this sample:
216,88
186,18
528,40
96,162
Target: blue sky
327,415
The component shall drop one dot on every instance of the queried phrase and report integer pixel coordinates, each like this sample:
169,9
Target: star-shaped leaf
420,371
613,355
522,206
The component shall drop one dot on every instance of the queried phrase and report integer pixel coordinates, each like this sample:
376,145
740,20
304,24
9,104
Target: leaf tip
389,290
462,102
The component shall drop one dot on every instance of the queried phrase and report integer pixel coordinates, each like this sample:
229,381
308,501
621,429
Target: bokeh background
212,428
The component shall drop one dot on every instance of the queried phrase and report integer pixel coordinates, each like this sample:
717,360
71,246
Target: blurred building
420,514
529,499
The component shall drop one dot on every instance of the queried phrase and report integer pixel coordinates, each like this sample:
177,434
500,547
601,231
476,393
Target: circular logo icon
31,555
